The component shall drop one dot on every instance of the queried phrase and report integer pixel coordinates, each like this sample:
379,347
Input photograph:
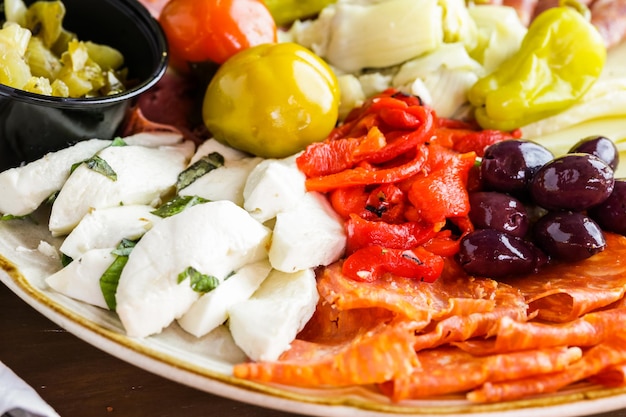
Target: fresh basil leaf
199,282
199,168
66,260
99,165
52,197
118,141
111,276
178,204
10,217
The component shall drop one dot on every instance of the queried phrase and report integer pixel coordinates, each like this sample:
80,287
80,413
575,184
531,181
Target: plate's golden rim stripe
284,392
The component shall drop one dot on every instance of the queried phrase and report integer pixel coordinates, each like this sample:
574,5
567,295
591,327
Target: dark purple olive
508,166
600,146
568,236
499,211
493,254
573,182
611,213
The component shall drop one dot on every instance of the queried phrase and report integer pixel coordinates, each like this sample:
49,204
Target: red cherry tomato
214,30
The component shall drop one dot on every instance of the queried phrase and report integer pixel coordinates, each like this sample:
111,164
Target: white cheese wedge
307,235
215,238
80,279
273,186
24,188
223,183
106,227
211,145
154,139
144,175
265,325
211,309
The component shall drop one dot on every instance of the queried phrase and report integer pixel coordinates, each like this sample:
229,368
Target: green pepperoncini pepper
560,58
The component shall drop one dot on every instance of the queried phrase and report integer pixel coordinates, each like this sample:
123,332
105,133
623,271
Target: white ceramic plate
206,363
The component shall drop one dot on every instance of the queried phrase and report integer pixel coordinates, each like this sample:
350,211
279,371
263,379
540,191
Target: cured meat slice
435,377
510,305
387,348
609,17
564,292
588,330
613,376
597,359
332,326
452,294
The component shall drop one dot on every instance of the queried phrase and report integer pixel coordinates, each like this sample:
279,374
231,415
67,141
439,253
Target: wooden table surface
78,380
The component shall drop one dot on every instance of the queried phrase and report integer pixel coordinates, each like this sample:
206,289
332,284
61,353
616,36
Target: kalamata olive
494,254
573,182
611,213
509,165
569,236
499,211
600,146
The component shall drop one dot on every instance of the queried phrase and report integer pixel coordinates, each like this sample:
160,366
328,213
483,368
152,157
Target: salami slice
452,294
564,292
387,348
435,377
596,360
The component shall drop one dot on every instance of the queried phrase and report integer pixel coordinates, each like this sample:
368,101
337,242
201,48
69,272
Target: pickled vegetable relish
40,56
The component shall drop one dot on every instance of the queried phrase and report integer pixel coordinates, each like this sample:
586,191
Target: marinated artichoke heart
42,57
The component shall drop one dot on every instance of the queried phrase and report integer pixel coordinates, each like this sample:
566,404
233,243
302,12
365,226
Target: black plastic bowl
32,125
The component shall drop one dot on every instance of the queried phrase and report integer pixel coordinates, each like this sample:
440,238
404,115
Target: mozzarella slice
215,238
144,175
223,183
106,227
273,186
80,279
154,139
265,325
307,235
23,189
211,145
211,309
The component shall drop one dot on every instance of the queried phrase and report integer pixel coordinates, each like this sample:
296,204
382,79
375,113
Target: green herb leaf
10,217
99,165
199,282
66,260
178,204
52,197
111,277
199,168
118,141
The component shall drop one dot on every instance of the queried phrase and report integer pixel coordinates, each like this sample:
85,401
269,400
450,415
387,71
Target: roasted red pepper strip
385,129
467,140
442,192
370,263
368,175
362,233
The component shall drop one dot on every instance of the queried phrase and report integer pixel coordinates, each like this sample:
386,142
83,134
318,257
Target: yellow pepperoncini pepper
560,58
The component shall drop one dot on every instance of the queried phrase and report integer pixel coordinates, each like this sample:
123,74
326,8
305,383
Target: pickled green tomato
272,100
